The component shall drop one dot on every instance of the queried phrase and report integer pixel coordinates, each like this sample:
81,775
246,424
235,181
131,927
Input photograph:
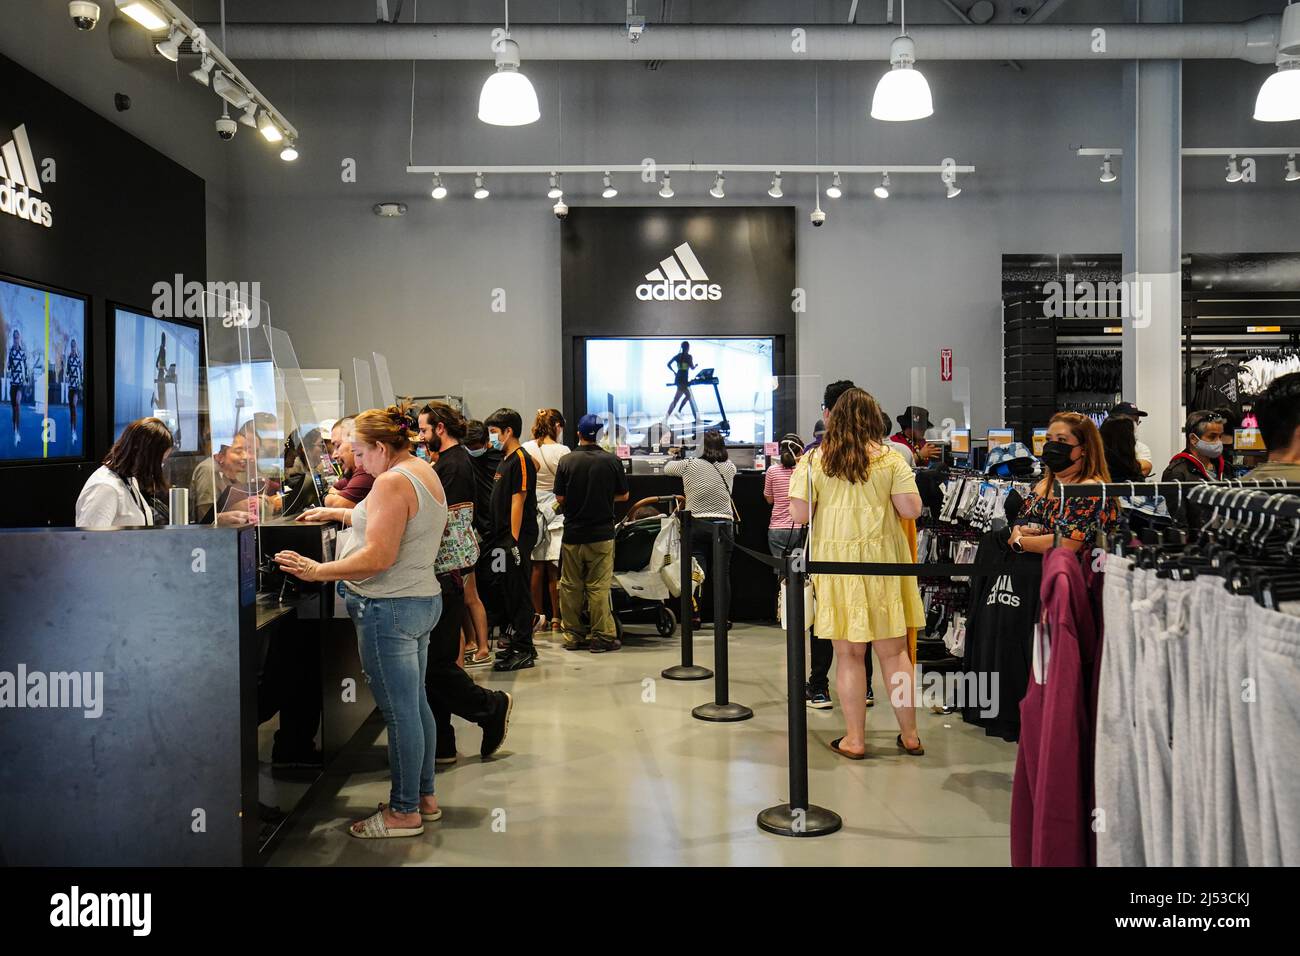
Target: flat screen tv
44,379
156,374
660,394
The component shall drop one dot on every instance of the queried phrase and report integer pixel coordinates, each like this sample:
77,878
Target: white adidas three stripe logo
19,179
680,277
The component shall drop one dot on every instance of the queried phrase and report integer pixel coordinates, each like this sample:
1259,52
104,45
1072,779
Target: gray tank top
411,575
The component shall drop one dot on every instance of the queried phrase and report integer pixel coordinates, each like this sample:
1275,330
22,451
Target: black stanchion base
685,672
722,712
783,820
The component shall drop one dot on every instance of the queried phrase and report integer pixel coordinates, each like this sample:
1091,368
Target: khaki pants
586,572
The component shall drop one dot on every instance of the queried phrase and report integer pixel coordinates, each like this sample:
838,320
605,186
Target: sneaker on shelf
515,659
604,647
497,726
818,699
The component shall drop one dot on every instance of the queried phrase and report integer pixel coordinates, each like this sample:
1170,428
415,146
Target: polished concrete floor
605,765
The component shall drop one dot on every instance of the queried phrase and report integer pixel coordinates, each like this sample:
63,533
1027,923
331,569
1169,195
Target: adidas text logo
1003,592
679,278
19,179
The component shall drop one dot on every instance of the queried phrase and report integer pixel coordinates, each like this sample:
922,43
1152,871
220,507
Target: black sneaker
515,660
604,647
817,699
497,726
305,759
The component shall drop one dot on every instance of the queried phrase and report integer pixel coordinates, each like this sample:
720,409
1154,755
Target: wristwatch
1017,547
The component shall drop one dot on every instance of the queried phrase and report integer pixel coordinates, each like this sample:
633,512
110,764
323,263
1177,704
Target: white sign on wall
20,181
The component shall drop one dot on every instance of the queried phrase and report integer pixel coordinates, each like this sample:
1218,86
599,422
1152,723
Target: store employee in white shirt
1133,413
128,489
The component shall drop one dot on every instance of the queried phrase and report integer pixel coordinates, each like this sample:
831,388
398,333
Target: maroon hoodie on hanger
1052,793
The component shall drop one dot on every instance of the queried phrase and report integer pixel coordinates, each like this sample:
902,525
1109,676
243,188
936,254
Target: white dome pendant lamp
508,98
902,94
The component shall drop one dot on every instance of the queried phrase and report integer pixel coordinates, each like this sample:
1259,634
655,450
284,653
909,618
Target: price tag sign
769,449
945,365
625,451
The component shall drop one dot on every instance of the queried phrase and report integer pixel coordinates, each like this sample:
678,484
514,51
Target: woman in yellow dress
859,491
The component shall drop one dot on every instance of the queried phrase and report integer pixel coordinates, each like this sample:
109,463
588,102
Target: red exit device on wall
945,365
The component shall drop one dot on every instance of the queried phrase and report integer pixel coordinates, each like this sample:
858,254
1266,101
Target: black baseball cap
1129,409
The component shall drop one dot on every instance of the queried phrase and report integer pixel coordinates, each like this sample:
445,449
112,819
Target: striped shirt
707,486
776,485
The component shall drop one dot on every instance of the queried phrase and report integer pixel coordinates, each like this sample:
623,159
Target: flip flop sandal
835,745
374,828
917,751
433,817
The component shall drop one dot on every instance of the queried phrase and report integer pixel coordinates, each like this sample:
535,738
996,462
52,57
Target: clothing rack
1177,489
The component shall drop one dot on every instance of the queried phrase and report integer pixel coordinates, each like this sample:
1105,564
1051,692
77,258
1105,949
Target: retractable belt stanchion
687,669
720,709
797,818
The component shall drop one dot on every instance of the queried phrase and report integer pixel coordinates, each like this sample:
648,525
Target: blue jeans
393,640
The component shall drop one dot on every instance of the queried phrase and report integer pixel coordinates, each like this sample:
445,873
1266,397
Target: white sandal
433,817
374,828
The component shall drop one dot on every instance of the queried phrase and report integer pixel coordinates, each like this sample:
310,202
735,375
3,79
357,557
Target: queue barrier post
687,669
797,818
721,709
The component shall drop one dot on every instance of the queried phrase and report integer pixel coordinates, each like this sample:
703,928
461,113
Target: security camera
817,217
84,15
561,211
226,127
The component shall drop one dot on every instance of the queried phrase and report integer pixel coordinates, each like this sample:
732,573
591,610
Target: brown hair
548,424
440,413
391,426
714,449
138,453
1093,462
854,423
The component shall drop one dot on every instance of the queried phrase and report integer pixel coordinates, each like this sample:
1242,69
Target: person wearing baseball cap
1135,415
912,425
588,481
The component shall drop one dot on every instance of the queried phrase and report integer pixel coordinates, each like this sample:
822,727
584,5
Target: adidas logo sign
19,179
679,278
1003,592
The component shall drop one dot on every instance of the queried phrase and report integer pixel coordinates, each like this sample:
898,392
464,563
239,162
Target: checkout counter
142,678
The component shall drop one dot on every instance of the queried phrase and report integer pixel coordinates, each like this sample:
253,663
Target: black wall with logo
606,252
124,217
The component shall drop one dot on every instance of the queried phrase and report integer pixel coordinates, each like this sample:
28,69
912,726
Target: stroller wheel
666,623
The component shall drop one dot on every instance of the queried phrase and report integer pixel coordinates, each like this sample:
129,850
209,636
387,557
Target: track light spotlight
204,73
555,192
717,192
171,47
480,191
882,191
439,191
1234,172
232,92
269,130
833,190
1292,174
666,190
145,13
609,192
775,189
953,190
290,152
1107,170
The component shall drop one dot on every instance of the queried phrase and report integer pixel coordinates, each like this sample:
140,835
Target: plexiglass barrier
944,395
308,469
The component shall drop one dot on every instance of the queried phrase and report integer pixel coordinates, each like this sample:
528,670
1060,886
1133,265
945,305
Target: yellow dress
857,522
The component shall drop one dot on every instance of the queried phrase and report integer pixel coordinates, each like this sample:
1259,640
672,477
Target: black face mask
1058,456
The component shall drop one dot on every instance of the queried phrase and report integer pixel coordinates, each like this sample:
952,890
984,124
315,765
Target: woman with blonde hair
546,450
393,598
853,492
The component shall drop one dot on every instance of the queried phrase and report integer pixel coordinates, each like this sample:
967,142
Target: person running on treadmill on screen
681,365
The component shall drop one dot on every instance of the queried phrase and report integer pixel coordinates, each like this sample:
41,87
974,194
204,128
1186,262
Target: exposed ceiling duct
1254,40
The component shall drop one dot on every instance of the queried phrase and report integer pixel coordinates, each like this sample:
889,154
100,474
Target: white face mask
495,439
1209,449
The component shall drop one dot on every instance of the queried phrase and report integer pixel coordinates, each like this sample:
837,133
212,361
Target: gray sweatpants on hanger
1155,728
1237,810
1183,766
1115,770
1192,783
1278,637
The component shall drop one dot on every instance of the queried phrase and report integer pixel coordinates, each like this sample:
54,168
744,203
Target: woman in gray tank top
386,575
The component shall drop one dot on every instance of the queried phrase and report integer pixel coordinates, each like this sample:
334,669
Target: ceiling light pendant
1292,174
1234,173
508,98
717,192
204,73
266,126
882,191
775,189
1279,98
902,94
480,191
666,190
439,191
1107,170
144,12
290,152
833,190
555,192
609,192
171,47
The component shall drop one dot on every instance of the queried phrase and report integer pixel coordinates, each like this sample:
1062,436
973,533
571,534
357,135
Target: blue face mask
476,452
495,439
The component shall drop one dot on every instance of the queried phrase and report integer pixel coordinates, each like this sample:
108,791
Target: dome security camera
817,217
561,210
84,15
226,127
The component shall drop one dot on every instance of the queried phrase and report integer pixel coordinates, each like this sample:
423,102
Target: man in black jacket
1202,459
